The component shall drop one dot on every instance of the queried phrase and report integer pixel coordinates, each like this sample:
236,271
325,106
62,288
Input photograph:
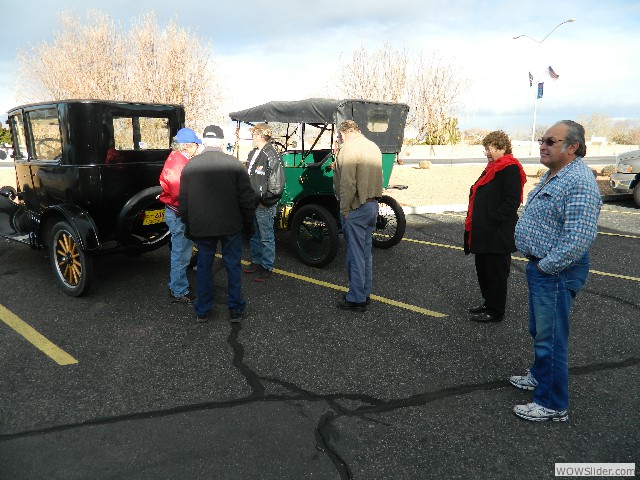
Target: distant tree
474,136
596,125
380,75
431,88
5,136
95,58
626,132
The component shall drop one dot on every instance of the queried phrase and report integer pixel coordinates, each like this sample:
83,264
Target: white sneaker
537,413
525,382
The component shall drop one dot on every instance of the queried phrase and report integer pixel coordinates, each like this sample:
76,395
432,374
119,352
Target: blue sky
288,50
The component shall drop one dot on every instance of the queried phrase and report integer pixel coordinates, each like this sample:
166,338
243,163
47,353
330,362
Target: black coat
495,213
216,198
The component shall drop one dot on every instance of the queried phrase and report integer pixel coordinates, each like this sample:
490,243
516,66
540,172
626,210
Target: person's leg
181,249
264,217
255,243
481,273
355,226
497,267
231,255
372,208
552,297
204,282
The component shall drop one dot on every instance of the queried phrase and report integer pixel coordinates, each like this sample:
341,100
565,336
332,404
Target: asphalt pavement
411,389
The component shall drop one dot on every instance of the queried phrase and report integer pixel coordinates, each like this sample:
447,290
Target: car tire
315,235
391,223
72,266
636,194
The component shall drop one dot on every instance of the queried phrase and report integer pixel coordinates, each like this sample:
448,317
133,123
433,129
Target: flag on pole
551,73
540,88
530,80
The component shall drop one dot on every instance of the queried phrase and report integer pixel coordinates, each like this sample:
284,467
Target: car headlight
623,168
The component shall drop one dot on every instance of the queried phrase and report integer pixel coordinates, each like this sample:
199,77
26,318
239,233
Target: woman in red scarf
490,224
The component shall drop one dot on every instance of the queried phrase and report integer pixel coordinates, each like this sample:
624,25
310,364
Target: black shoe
485,318
356,307
202,318
478,309
236,315
366,302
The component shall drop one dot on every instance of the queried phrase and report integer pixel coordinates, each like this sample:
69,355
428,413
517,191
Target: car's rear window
141,133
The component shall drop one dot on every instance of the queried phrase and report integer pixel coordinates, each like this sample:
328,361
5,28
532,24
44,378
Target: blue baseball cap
186,135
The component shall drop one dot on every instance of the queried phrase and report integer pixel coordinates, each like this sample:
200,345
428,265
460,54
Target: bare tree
431,88
97,59
434,97
380,75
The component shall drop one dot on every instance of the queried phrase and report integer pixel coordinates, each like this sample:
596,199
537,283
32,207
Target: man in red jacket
185,145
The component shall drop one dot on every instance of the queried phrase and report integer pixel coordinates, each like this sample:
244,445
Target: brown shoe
251,268
263,276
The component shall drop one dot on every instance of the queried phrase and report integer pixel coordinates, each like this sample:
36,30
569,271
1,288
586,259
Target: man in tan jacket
357,182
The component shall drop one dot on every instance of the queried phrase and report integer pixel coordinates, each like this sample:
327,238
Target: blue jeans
358,229
231,255
550,300
263,241
181,250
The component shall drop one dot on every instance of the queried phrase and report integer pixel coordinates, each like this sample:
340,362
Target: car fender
83,225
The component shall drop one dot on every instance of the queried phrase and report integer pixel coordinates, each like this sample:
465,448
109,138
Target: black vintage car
87,181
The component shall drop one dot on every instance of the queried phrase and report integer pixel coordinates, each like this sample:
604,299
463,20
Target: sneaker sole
563,418
521,387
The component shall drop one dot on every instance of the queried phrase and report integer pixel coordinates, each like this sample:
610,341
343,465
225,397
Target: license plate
153,216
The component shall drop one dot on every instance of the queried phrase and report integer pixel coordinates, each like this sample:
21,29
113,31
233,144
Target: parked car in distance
87,181
627,176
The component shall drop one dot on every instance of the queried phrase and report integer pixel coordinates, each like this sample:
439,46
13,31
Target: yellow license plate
153,216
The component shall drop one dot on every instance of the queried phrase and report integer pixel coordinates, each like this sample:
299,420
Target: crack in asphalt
325,431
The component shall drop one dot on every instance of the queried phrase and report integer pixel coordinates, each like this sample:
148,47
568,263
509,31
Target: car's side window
20,151
141,133
45,129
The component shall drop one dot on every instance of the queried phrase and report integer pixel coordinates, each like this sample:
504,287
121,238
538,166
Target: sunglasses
549,141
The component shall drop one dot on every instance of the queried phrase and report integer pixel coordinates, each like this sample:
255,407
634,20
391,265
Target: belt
372,199
532,258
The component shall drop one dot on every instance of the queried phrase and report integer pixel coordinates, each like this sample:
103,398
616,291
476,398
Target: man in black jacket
216,204
266,171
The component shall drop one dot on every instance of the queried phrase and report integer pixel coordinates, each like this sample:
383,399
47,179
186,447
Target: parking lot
121,384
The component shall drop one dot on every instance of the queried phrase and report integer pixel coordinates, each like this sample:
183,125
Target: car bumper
623,182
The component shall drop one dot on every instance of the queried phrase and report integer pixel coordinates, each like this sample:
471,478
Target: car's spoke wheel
73,267
390,224
315,235
636,194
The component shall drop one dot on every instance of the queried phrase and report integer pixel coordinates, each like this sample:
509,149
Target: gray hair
575,134
180,147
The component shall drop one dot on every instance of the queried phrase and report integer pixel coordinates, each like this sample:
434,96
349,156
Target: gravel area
450,184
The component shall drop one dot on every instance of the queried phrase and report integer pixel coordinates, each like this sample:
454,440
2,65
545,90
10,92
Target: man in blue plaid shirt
556,229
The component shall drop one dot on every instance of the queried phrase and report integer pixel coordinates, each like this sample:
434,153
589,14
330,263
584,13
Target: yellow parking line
36,339
377,298
620,211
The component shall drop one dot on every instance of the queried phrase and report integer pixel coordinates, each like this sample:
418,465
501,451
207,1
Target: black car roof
79,101
312,110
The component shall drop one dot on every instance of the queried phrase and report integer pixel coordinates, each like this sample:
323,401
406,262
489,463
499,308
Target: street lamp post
535,102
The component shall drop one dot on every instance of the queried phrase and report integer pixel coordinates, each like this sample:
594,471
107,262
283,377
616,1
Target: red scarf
488,175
